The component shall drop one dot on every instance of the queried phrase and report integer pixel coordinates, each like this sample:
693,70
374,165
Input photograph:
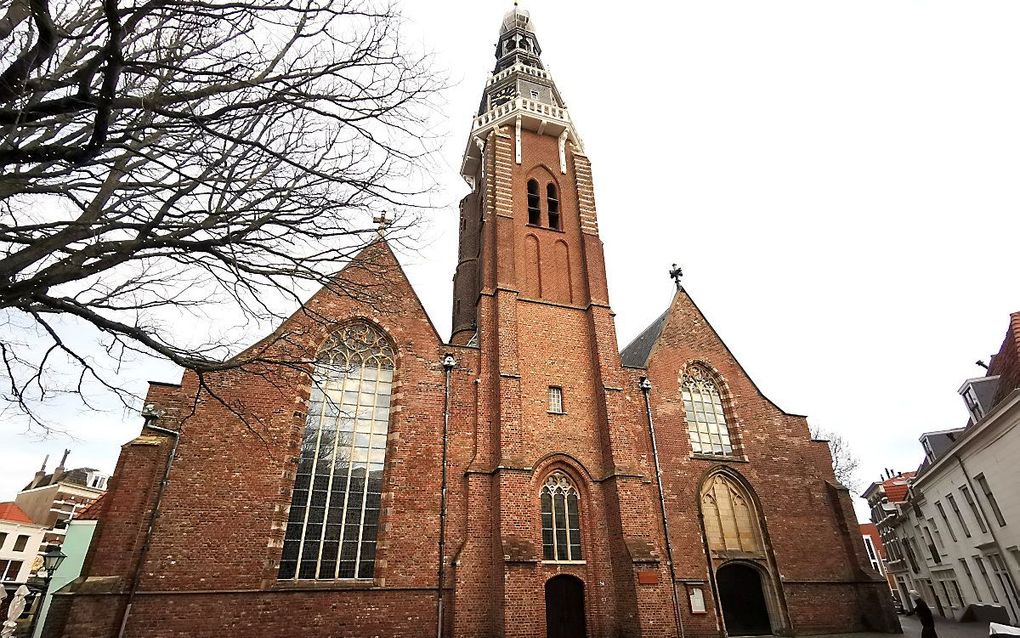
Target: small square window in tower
534,214
555,399
553,204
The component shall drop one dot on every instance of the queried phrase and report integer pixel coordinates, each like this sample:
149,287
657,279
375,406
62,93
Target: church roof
639,351
635,355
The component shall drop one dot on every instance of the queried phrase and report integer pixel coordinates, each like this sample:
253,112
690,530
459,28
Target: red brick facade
531,311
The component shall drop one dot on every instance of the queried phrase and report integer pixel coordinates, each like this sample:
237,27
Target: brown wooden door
564,607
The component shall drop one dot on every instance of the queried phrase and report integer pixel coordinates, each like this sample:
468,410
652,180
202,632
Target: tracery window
729,515
534,214
334,514
561,522
706,421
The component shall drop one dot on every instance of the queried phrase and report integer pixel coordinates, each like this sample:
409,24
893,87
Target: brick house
585,491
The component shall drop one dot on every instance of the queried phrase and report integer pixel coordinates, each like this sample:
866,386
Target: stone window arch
707,426
731,519
561,519
333,522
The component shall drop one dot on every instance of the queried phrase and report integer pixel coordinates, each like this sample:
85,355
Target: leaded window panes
561,520
556,399
706,421
334,514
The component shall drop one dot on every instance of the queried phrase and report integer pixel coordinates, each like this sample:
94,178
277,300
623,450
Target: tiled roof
94,510
10,511
896,487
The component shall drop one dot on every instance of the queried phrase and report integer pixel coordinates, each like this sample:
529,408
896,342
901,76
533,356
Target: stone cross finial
675,274
382,224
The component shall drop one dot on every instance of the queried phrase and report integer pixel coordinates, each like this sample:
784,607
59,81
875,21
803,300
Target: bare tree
166,159
845,463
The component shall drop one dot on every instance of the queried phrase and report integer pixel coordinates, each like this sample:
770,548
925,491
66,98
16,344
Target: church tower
556,415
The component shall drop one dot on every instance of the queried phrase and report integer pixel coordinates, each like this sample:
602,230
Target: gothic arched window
731,524
334,512
534,214
553,205
561,521
706,421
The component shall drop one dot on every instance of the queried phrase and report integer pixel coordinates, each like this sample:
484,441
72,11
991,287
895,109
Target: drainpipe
448,364
646,387
136,578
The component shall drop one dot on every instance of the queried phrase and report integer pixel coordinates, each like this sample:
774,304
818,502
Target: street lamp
52,558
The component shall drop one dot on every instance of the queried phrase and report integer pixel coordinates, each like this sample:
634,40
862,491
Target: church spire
520,93
517,41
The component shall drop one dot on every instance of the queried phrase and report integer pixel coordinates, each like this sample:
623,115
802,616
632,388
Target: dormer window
979,395
973,405
553,204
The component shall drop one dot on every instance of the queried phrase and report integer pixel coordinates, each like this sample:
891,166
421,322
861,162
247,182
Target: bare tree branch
188,159
845,463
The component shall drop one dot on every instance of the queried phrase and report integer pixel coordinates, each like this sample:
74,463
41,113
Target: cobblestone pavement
944,628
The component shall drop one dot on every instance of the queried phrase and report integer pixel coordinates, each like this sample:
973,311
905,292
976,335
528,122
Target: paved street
944,628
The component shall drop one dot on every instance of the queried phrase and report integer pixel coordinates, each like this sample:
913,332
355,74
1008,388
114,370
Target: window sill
561,413
555,230
719,457
337,583
564,562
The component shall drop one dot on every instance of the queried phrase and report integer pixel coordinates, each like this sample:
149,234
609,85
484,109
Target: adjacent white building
957,535
19,545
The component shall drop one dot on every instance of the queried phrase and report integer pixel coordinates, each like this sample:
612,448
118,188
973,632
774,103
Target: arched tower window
561,521
731,523
534,214
334,513
706,421
553,205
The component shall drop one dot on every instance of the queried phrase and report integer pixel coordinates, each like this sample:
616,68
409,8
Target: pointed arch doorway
743,600
748,596
564,607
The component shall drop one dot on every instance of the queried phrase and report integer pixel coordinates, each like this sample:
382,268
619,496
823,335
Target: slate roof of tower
77,476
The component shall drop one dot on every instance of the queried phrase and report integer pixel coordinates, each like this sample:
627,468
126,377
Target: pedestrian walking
924,615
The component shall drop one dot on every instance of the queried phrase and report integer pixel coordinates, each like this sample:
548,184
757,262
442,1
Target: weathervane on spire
675,274
381,224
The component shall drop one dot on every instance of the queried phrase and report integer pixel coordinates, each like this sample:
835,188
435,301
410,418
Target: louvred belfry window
552,201
706,421
534,213
334,514
561,521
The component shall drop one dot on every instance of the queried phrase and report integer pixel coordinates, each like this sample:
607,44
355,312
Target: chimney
41,474
59,470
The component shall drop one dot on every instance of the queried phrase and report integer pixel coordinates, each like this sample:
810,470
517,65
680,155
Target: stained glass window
561,522
706,421
334,514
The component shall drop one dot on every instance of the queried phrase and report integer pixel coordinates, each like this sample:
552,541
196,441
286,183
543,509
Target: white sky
837,179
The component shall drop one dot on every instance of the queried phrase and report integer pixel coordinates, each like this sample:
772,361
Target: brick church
523,478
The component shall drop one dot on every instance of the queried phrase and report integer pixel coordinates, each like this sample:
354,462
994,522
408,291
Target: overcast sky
837,179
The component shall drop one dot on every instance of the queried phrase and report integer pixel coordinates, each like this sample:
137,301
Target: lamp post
52,558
